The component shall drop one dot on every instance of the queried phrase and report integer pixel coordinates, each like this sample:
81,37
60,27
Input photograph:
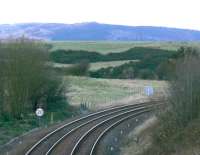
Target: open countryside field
98,65
99,93
105,47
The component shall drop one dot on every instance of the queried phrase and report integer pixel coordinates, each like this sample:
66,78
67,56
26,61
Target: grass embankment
11,128
97,93
182,141
140,138
177,131
27,83
106,47
179,124
173,140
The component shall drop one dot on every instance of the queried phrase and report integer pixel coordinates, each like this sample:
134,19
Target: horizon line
88,22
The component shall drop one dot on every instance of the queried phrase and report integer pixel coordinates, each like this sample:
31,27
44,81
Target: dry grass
99,93
143,135
98,65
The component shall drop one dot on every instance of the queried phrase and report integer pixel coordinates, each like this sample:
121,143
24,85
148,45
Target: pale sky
170,13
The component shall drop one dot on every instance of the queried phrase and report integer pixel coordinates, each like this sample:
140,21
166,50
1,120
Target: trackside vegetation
29,80
27,83
178,127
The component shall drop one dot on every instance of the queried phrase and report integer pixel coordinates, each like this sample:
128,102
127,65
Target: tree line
27,81
137,53
160,66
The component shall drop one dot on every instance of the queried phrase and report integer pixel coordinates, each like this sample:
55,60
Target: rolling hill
96,31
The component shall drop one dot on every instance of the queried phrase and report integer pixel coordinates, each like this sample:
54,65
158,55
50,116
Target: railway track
82,135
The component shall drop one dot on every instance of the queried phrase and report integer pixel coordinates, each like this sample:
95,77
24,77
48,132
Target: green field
98,93
105,47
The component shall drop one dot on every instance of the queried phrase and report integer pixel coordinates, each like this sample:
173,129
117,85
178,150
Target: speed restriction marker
39,112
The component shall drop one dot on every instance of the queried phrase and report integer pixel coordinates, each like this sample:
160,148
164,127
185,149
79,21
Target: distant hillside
95,31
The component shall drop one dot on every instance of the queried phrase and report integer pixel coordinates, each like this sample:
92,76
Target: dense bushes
149,67
78,69
158,66
26,80
168,139
153,63
137,53
179,123
124,71
185,90
72,56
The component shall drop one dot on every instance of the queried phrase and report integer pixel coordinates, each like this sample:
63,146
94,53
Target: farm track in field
82,135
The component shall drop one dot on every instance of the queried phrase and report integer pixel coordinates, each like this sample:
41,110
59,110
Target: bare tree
185,89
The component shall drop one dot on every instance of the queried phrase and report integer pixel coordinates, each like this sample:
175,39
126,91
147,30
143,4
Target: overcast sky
170,13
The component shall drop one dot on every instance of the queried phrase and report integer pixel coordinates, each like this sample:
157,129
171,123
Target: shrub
26,80
178,125
185,90
79,69
75,56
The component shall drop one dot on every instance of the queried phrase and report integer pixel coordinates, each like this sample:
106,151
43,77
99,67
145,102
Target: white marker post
39,113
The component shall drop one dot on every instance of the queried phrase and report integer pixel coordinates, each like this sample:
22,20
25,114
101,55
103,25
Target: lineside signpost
39,113
149,91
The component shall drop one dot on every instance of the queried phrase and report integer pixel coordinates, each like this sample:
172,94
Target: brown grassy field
98,65
98,93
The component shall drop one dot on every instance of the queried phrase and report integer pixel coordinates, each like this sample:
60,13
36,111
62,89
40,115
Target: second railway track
81,136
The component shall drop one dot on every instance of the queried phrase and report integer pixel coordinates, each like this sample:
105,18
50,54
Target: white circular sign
39,112
149,91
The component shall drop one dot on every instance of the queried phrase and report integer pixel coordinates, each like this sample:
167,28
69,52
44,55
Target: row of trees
149,67
159,66
26,81
137,53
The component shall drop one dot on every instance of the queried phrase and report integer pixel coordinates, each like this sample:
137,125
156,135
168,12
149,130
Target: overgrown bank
177,131
28,83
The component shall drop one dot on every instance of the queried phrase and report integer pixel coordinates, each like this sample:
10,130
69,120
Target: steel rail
90,121
92,152
75,121
75,148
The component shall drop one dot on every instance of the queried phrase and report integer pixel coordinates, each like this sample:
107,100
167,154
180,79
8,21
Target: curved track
81,136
